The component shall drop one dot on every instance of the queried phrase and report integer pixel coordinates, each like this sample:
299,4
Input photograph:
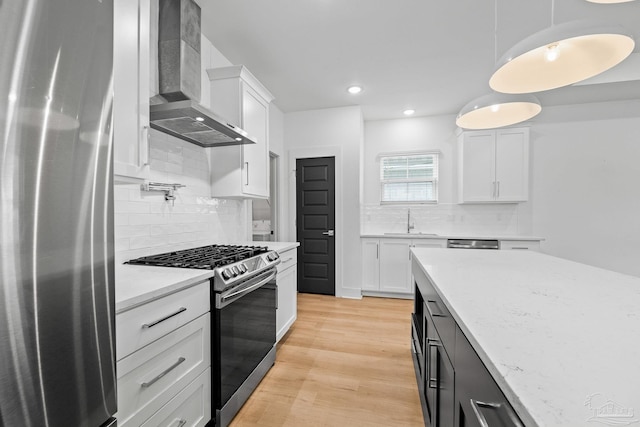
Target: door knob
328,233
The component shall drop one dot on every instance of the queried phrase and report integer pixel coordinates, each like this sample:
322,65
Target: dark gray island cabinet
455,387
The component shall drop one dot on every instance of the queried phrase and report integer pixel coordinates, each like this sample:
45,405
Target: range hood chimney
179,76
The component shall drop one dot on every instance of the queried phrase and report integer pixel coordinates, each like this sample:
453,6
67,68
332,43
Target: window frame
436,170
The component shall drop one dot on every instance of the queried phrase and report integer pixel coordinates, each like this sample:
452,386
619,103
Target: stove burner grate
205,257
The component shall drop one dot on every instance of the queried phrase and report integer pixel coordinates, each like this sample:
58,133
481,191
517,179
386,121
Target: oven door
245,332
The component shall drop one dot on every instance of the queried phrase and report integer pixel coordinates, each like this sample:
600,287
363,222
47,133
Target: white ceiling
432,56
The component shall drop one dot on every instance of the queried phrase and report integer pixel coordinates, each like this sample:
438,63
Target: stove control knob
235,271
226,274
243,268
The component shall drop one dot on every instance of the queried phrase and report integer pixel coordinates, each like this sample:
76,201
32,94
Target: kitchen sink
411,234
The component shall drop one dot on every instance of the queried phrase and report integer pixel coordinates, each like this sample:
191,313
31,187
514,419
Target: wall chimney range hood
180,114
191,122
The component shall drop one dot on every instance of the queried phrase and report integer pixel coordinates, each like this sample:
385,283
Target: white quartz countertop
561,339
139,284
449,236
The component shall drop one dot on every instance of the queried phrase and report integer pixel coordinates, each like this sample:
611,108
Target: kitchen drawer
437,311
531,245
190,408
288,259
481,401
146,323
153,375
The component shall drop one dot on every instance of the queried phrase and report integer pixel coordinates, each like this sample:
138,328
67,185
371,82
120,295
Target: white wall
146,224
437,133
277,147
328,132
585,196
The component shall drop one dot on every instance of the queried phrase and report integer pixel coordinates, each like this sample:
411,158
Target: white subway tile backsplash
145,223
446,219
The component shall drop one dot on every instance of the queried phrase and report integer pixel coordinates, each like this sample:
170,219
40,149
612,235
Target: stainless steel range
244,302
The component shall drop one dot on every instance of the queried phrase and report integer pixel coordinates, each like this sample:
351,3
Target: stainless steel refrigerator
57,347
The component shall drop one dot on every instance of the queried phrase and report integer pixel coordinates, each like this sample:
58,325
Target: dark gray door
315,225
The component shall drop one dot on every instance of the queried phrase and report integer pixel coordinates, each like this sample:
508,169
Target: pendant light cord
495,31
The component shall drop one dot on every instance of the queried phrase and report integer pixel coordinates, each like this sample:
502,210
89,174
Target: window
409,178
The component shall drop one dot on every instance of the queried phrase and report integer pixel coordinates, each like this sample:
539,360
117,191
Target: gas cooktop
205,257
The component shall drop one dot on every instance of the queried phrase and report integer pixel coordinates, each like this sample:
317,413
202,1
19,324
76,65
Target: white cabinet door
527,245
286,313
429,243
240,171
370,264
512,165
131,89
478,164
395,265
255,111
494,166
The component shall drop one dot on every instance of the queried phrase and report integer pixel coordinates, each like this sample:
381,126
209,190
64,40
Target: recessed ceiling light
200,119
354,89
409,112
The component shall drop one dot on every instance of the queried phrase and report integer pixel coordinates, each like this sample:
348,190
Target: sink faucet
409,225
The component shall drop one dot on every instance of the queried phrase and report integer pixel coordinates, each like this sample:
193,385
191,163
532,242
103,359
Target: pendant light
561,55
609,1
497,109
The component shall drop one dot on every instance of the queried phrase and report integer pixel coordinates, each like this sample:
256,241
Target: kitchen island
560,339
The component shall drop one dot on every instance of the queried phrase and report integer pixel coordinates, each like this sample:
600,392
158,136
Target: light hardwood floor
343,363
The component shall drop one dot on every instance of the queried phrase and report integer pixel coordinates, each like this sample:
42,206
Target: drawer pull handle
163,373
152,324
519,247
435,304
512,419
181,422
287,260
432,370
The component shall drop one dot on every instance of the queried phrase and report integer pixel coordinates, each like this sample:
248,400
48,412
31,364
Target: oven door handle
224,299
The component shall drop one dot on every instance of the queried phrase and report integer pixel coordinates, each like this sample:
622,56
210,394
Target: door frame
308,153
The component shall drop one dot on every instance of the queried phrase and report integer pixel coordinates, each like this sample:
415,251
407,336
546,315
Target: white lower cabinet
386,264
395,265
287,280
527,245
190,408
155,370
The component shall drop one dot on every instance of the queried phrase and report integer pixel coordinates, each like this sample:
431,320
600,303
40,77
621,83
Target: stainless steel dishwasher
472,244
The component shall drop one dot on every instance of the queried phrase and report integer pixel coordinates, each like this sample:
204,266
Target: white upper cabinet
131,89
493,166
240,171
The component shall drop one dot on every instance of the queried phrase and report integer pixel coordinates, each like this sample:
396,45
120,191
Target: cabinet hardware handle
519,247
476,404
163,373
414,347
152,324
433,364
145,150
440,313
181,422
287,260
247,164
377,250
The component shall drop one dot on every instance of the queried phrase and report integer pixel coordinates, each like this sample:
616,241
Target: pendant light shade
497,110
561,55
609,1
